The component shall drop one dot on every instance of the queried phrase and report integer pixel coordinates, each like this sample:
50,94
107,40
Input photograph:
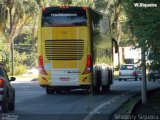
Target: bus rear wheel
135,78
96,88
50,90
106,88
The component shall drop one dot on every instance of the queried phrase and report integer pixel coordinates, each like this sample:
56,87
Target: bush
20,69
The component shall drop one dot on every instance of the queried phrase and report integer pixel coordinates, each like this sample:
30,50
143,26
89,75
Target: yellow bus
75,49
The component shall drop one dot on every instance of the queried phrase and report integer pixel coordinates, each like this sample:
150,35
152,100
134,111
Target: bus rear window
127,67
71,16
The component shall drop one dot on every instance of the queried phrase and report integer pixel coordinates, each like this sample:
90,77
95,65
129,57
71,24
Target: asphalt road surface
32,103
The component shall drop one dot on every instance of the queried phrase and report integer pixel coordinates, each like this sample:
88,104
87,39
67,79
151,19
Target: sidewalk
151,110
134,110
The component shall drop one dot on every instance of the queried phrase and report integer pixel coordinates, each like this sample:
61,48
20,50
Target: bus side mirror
115,44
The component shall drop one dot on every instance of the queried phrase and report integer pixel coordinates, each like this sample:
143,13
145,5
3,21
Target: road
32,103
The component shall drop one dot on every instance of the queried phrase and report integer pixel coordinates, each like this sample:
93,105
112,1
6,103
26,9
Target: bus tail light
44,79
1,83
88,65
85,79
41,66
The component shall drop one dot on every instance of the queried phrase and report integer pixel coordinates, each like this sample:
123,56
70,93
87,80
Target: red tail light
41,66
88,65
120,73
134,73
84,8
1,83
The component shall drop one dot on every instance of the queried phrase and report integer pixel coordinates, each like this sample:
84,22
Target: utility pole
144,84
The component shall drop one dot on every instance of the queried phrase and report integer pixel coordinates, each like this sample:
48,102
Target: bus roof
65,7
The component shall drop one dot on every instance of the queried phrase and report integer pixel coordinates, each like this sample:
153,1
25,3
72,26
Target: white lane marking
94,111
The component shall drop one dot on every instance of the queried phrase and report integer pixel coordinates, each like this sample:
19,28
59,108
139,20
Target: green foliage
25,45
4,53
25,55
104,5
25,42
27,8
44,3
19,63
20,69
3,16
14,14
144,25
4,60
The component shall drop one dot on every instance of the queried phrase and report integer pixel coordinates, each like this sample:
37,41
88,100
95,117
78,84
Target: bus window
64,17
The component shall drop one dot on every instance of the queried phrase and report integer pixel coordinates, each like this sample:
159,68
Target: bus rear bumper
68,87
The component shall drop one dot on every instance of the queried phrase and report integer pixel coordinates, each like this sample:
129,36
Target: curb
139,100
132,107
121,111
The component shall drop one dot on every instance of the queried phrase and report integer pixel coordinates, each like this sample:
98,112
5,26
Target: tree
17,12
26,45
143,24
44,3
3,17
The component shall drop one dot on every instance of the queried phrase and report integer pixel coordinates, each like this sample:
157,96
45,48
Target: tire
12,104
136,78
120,79
96,89
110,79
140,78
50,90
5,106
106,88
88,90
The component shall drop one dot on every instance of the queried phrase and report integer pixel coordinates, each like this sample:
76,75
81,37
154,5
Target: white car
7,92
129,71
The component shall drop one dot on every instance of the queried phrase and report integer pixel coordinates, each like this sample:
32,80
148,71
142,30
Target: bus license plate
64,78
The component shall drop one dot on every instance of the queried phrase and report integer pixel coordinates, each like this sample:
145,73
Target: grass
116,74
152,106
127,107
